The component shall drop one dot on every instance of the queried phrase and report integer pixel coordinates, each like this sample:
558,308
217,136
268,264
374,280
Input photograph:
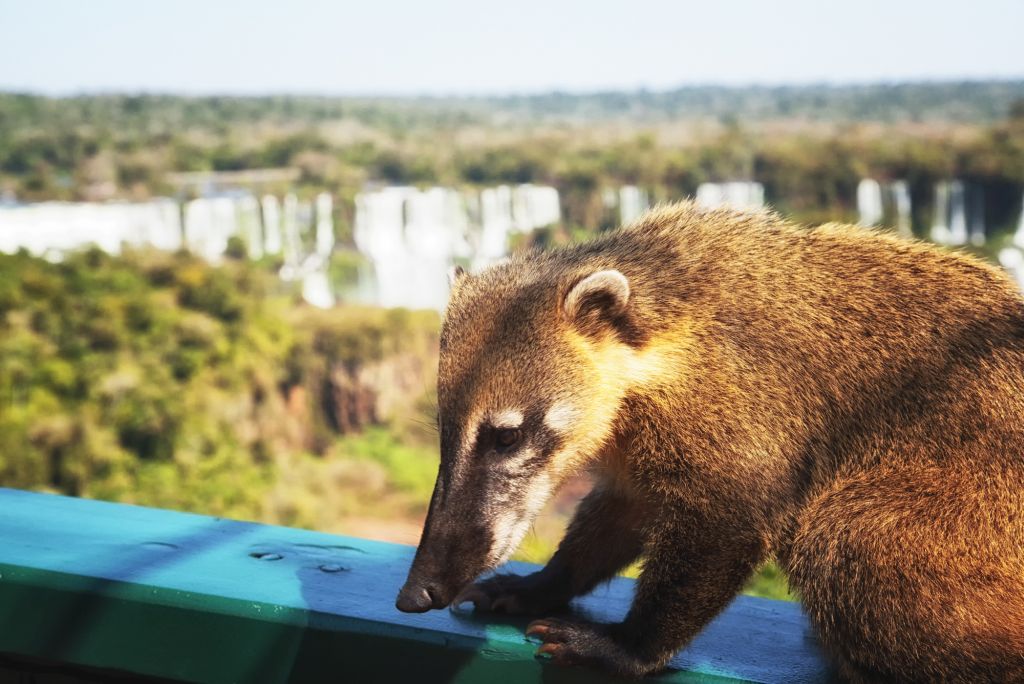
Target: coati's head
534,361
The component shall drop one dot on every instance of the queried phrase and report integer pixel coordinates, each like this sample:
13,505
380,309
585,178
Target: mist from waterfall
408,238
949,220
204,226
869,202
880,202
412,237
1012,257
902,207
49,228
733,194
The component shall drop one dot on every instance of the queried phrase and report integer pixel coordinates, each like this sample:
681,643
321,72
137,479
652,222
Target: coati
846,402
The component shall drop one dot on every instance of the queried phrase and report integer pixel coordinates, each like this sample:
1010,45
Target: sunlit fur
847,402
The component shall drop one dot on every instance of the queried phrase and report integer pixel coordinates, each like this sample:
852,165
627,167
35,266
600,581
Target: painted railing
93,591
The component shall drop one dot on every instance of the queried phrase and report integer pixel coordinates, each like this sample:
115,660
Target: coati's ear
455,274
603,295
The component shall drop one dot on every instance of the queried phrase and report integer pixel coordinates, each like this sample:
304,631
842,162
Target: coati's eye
506,437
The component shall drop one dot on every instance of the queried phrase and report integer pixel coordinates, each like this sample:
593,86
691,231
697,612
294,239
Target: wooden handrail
100,587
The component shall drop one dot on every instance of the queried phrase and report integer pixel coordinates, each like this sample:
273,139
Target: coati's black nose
414,598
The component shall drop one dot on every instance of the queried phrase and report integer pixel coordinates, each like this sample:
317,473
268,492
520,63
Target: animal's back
846,401
862,336
892,375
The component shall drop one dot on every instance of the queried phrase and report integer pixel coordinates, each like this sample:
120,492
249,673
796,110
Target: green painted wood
200,599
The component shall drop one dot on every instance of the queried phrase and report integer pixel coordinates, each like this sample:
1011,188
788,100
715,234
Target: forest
808,146
158,378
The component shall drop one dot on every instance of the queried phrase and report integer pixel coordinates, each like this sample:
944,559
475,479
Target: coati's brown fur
847,402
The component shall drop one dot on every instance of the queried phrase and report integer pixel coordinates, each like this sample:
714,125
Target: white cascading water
940,215
50,228
290,240
734,194
976,215
247,209
496,224
900,191
308,260
209,223
957,214
324,224
633,202
316,282
412,237
271,224
873,199
1012,257
1018,236
379,234
949,223
869,202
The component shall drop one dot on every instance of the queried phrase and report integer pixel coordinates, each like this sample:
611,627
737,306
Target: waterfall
249,228
202,225
900,191
290,239
869,202
324,225
876,202
505,210
951,224
1018,236
51,228
734,194
308,260
940,232
411,237
379,234
633,202
495,225
957,214
1012,257
538,206
271,225
976,214
209,223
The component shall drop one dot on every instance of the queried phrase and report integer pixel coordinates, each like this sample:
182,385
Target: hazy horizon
451,48
510,94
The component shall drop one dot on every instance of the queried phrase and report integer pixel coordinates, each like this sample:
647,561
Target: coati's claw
472,594
541,628
566,643
579,643
511,594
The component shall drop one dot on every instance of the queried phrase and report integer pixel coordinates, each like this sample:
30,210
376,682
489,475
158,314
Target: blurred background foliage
157,378
809,145
160,379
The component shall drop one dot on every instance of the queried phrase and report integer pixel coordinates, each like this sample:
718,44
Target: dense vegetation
809,146
159,379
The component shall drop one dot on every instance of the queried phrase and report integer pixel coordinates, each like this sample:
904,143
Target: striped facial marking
561,417
511,526
506,419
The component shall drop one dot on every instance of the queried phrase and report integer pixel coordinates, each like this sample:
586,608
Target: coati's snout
448,556
528,386
446,560
489,489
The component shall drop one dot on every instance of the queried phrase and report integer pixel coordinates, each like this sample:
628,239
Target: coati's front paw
581,643
513,594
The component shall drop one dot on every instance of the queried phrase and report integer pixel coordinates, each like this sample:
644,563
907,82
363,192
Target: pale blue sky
478,47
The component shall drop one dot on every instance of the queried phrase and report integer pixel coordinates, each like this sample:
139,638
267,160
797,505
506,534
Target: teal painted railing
90,590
